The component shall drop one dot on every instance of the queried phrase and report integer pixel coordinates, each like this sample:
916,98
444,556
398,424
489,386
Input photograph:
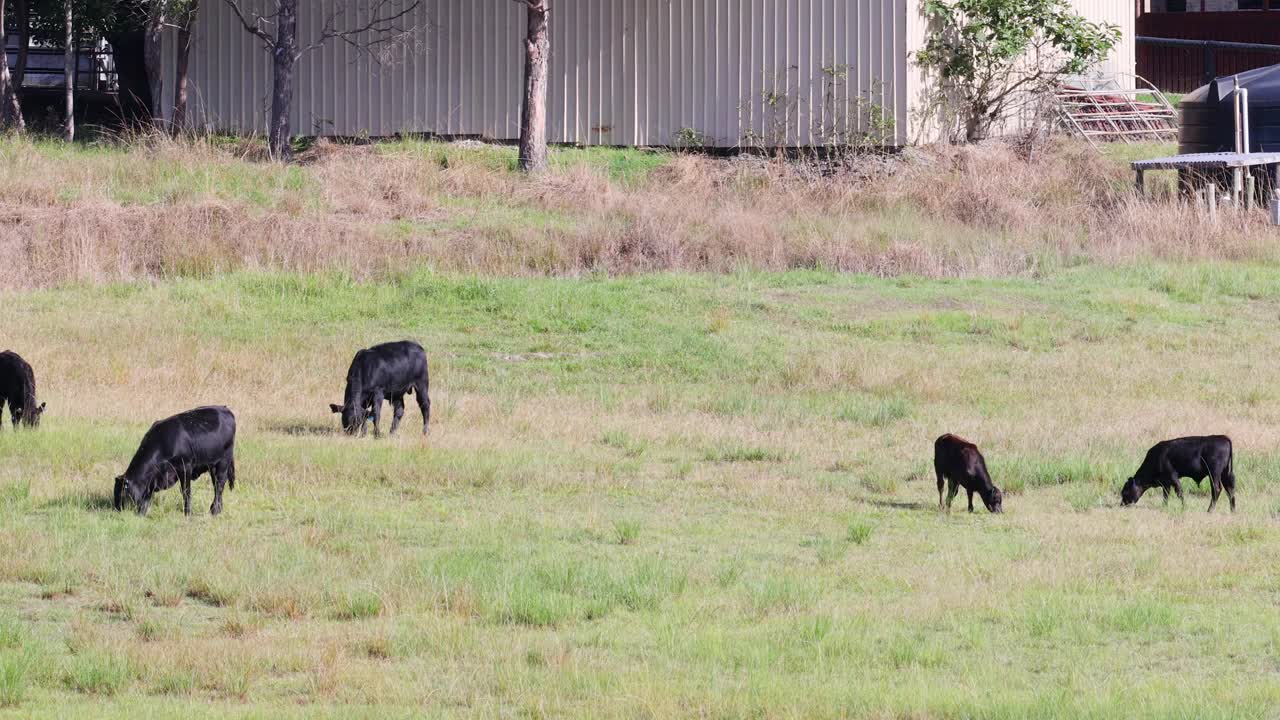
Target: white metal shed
624,72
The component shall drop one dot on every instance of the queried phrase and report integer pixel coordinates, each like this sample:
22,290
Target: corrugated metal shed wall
1116,12
624,72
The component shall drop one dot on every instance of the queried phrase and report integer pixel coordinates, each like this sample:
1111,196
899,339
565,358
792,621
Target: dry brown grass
159,208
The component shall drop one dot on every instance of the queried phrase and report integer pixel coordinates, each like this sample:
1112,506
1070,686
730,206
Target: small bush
912,650
619,440
781,593
1141,617
13,633
626,532
875,411
175,681
881,484
859,532
1084,498
13,678
743,453
357,605
97,672
150,630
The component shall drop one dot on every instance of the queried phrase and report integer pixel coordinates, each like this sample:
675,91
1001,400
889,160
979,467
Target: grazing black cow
178,450
1189,457
960,462
18,388
388,371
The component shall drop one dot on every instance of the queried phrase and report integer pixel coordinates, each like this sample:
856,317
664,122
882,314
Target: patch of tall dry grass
163,208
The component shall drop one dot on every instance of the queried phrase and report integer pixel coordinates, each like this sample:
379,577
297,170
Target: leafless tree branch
383,26
257,27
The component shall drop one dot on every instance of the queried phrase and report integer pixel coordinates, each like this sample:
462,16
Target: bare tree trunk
181,67
22,14
152,52
285,55
69,68
10,110
533,116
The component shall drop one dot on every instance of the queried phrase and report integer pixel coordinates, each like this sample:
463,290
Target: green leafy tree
990,56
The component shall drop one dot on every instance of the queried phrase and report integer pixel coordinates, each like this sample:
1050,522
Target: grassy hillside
656,496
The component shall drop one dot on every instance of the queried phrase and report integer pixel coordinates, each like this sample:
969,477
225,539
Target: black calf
1189,457
18,389
178,450
959,462
388,371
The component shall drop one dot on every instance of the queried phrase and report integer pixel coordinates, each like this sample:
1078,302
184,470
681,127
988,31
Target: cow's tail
231,475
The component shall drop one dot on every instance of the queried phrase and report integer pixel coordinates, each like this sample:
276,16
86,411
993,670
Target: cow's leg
185,482
970,498
1215,485
397,411
376,413
941,484
1177,489
219,476
953,487
422,390
1229,484
1166,494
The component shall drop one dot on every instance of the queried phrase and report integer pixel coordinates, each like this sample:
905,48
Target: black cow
181,449
388,371
1188,457
959,461
18,388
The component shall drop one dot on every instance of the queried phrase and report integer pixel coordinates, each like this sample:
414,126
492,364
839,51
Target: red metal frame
1179,70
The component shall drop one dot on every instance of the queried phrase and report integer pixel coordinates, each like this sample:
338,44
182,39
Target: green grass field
650,497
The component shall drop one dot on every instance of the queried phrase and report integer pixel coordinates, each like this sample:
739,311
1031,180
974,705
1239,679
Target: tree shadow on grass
899,504
92,502
300,429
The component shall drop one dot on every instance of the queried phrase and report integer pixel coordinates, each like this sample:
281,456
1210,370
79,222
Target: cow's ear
335,408
42,406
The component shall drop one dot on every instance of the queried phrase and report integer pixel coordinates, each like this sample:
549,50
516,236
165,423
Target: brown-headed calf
959,462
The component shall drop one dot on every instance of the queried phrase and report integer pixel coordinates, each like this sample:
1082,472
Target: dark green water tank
1208,114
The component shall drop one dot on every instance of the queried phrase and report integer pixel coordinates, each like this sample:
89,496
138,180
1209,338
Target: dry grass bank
156,209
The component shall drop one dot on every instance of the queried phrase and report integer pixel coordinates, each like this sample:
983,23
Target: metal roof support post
1244,118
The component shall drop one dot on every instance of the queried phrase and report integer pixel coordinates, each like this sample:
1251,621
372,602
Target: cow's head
352,417
30,418
1131,492
994,500
141,491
